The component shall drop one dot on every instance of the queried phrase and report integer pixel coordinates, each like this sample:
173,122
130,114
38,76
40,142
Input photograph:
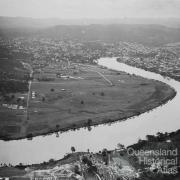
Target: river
164,118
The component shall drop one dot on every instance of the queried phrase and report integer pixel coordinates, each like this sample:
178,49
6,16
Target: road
28,66
100,74
107,80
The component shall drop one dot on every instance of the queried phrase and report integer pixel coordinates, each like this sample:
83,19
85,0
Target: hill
152,35
27,22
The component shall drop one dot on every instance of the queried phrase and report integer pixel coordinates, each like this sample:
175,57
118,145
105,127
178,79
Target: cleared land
91,96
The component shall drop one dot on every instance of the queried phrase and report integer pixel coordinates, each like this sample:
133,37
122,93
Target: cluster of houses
13,106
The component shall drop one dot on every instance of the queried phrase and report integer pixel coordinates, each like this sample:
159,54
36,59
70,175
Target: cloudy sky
90,8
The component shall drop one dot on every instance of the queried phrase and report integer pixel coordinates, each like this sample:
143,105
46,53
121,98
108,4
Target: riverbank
94,96
150,69
108,164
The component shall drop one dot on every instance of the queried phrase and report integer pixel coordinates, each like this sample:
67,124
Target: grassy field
93,95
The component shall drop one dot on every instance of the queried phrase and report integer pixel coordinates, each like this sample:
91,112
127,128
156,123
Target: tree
57,126
105,156
120,146
77,170
85,160
30,135
89,123
150,138
43,99
52,90
7,98
160,136
18,100
102,93
51,160
12,96
73,149
104,152
89,128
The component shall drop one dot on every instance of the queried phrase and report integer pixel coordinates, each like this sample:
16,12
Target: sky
77,9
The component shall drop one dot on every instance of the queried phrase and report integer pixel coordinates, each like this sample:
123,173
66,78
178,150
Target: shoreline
165,75
113,118
122,153
102,122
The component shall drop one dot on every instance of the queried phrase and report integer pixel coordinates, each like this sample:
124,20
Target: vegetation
13,86
160,141
80,103
73,149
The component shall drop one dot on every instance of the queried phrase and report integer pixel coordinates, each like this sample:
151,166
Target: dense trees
52,90
13,86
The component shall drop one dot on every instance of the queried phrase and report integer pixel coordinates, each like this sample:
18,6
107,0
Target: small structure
10,106
21,107
33,94
22,97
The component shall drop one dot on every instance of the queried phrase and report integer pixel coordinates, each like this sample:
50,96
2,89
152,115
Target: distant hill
24,22
147,33
152,35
